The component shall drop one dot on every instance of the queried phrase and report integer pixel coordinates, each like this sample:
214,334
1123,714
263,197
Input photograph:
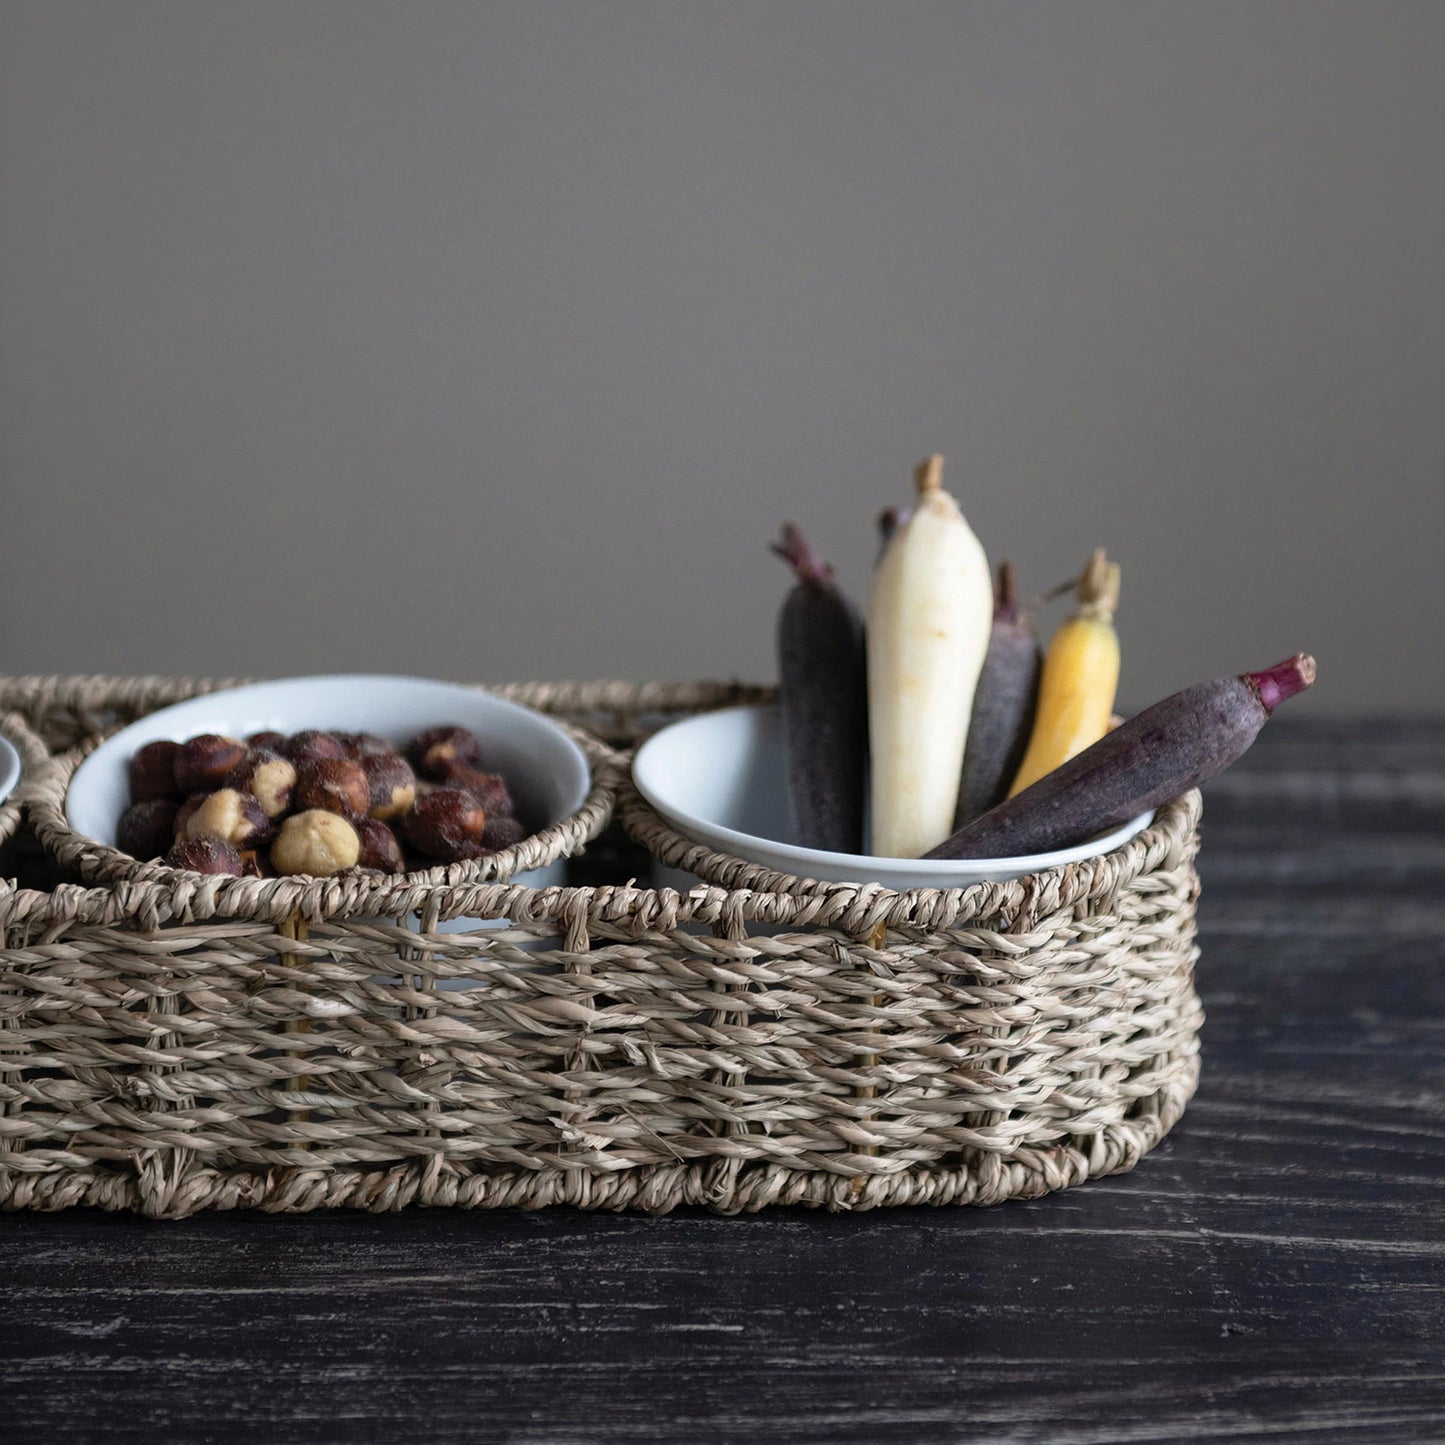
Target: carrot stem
793,548
928,475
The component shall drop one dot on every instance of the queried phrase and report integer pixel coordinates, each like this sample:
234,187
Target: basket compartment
541,854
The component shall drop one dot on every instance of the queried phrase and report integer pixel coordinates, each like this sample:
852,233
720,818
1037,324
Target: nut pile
317,803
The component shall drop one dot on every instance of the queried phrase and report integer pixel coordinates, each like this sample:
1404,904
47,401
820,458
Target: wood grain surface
1275,1271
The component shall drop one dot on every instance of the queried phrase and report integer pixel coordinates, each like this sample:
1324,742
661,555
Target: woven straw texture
33,758
170,1048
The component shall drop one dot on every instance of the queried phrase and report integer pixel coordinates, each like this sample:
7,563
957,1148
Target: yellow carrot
1080,677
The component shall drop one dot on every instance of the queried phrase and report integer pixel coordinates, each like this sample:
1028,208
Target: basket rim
856,909
38,692
1031,894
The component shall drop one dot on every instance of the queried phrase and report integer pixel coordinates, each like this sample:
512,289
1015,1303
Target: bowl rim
941,872
11,767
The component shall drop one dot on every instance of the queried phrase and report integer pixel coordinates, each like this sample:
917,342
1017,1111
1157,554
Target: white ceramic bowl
721,779
9,768
546,770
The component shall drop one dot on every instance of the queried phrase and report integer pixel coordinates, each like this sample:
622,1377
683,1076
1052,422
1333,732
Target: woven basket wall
169,1050
33,757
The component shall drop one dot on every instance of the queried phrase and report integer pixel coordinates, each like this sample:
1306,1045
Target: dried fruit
147,829
336,784
445,824
205,762
315,842
153,772
269,778
205,855
437,751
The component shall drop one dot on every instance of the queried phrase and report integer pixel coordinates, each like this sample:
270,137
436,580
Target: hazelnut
205,855
445,824
146,830
271,740
336,784
311,745
437,751
269,778
379,848
365,745
205,762
255,864
502,832
489,789
186,810
391,781
153,772
315,842
235,816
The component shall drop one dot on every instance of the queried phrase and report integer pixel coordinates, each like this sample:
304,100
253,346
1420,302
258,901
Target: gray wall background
495,340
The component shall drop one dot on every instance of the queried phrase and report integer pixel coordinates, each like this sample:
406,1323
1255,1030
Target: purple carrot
1003,705
890,519
1158,754
823,680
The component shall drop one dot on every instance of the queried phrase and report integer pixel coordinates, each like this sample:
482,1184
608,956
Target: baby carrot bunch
975,742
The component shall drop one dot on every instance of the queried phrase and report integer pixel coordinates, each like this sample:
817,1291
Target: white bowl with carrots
932,742
721,780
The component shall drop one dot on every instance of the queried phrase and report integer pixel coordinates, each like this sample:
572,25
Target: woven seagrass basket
33,757
171,1049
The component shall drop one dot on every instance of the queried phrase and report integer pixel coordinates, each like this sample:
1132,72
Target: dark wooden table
1274,1271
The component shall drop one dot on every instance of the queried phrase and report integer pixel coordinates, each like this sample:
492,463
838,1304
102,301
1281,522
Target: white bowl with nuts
320,775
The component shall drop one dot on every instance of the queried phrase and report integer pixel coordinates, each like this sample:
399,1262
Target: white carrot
928,627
